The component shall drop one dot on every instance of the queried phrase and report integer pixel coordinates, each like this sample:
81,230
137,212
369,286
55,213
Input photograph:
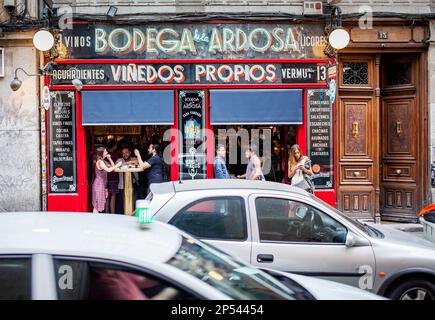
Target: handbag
308,179
309,183
303,184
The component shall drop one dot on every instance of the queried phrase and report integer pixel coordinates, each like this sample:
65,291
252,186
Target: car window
292,221
354,222
217,218
15,279
227,274
87,280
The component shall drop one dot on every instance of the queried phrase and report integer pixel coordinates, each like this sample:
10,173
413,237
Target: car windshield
228,275
355,223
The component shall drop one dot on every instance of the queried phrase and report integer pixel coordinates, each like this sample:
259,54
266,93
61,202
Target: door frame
376,52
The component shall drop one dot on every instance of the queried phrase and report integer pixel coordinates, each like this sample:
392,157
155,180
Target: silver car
76,256
284,228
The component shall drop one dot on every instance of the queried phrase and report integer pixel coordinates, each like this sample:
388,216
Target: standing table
128,187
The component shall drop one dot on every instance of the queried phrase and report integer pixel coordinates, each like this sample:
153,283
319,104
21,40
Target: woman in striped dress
99,186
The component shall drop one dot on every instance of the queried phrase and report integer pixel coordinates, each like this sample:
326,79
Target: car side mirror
353,240
350,240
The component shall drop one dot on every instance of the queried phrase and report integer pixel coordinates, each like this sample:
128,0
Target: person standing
112,179
253,169
154,165
219,166
99,186
298,166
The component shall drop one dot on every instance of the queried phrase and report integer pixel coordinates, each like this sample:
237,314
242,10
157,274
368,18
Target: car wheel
414,289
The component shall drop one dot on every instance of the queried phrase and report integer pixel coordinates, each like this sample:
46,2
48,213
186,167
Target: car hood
401,237
330,290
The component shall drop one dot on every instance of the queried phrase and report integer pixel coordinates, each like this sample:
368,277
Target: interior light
215,275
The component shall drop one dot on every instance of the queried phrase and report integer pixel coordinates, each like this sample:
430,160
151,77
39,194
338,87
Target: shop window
398,74
355,73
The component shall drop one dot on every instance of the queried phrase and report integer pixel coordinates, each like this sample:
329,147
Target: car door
292,235
220,220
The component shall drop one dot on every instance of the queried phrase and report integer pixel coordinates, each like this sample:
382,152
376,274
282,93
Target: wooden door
402,139
357,133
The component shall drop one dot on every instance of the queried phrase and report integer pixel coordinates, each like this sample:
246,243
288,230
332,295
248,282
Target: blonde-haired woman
99,186
298,165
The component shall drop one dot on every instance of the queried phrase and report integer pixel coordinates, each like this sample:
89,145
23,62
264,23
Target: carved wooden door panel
357,136
399,188
400,139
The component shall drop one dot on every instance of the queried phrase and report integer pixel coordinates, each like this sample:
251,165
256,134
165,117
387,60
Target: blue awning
148,107
256,106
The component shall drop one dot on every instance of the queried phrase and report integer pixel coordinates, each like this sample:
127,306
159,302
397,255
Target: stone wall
19,127
286,6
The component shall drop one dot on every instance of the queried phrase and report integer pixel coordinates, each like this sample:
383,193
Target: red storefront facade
234,59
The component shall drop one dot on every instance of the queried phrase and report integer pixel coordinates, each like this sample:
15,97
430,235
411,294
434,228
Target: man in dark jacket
220,168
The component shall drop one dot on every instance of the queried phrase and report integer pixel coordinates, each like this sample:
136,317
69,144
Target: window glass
83,280
227,274
399,73
355,73
291,221
218,218
15,277
355,223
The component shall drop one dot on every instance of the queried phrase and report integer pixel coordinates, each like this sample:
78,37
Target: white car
274,225
81,256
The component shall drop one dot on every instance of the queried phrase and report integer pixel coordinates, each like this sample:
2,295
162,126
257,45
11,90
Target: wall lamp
46,70
338,37
43,40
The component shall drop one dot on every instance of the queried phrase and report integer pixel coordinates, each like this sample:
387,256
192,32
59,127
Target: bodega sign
237,73
232,41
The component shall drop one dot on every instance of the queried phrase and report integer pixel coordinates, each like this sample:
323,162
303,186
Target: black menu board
192,156
62,155
319,137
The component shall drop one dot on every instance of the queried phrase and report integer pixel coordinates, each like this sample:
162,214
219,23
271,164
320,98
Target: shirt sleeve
152,161
257,165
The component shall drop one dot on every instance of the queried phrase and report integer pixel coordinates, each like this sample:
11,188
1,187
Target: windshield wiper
373,231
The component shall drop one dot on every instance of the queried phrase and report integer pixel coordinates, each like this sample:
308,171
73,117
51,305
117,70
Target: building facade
373,145
20,163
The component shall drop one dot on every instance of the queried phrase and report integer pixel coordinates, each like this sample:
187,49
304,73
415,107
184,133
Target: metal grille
355,73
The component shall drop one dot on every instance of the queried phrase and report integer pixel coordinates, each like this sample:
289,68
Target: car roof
215,184
87,234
